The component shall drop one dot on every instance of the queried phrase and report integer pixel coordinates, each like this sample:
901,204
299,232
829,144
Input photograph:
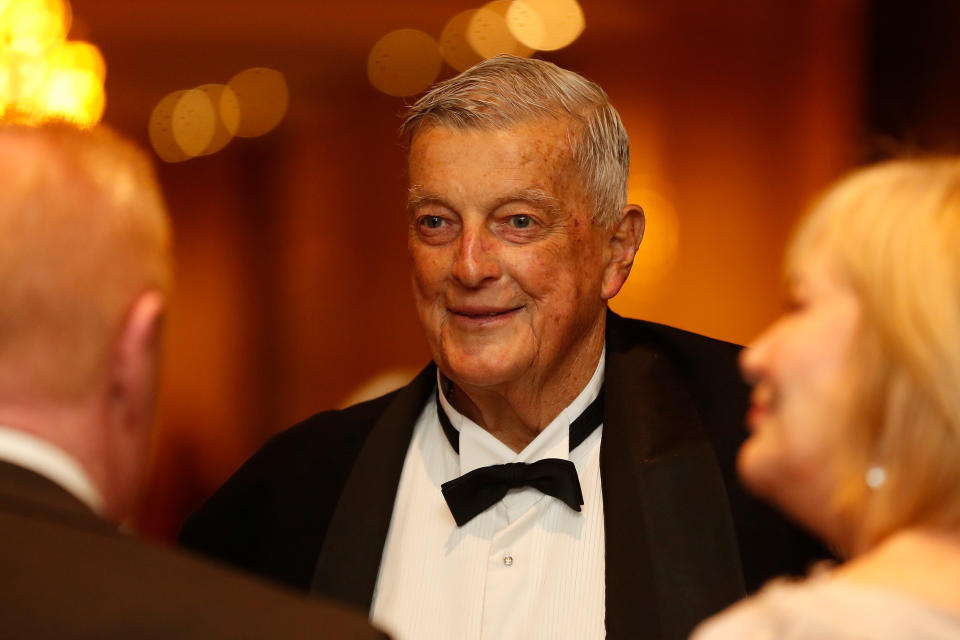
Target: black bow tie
473,493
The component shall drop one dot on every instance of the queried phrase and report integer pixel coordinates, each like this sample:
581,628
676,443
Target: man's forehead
540,144
529,161
558,132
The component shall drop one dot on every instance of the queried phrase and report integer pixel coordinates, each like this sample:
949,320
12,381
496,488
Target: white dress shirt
51,462
527,567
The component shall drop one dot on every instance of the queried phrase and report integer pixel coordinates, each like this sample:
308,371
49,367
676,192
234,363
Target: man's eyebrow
535,196
417,197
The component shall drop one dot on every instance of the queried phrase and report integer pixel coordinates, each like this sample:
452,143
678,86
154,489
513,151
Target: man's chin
479,372
483,361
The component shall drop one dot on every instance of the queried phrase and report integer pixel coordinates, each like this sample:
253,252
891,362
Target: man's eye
521,222
431,222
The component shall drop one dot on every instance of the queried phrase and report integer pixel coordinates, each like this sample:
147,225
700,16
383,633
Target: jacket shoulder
113,585
769,544
271,515
690,347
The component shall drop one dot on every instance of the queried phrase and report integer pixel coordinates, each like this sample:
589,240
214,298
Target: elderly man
558,471
84,275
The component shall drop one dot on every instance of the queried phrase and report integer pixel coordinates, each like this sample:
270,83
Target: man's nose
476,262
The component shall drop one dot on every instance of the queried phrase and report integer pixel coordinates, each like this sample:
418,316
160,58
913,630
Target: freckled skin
510,276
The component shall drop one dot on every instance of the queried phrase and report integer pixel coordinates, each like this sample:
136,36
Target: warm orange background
292,286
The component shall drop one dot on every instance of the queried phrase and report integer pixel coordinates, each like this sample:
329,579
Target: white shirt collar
51,462
478,448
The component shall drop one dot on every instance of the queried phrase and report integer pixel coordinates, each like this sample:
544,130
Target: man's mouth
483,313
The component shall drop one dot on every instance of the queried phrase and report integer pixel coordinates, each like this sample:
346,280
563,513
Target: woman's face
800,368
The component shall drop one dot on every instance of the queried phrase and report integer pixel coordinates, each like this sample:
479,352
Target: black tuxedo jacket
683,540
68,574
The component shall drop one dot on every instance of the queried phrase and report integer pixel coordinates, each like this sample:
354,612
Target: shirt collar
51,462
478,448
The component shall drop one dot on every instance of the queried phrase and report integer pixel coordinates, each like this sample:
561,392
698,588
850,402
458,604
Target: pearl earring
875,476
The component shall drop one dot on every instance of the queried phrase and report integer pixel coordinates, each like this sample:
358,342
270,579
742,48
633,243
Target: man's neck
58,441
43,458
516,412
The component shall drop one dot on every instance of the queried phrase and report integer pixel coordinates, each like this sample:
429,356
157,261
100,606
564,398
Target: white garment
821,607
51,462
528,567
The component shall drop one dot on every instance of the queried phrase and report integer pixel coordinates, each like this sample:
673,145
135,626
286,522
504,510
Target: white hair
507,90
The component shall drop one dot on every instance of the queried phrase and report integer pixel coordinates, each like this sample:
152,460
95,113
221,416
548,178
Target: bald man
84,283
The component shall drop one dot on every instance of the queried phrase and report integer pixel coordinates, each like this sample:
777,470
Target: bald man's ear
622,247
133,376
129,403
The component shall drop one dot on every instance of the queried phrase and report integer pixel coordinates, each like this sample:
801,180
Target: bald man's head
83,233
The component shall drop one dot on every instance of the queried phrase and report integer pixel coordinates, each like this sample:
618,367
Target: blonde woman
855,413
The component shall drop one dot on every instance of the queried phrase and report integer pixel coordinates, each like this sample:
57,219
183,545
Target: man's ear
622,247
133,372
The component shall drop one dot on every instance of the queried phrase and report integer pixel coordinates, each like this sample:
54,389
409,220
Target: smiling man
557,471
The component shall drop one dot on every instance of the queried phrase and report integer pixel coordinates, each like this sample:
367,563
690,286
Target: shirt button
508,560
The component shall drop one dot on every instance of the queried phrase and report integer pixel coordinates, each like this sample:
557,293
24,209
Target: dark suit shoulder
708,366
769,544
342,430
685,347
271,515
110,585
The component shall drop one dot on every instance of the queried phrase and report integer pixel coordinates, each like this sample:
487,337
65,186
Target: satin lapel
350,558
672,556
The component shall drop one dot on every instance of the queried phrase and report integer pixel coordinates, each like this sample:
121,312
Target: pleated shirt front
528,567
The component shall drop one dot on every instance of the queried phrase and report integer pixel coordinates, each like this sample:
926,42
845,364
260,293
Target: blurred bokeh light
407,61
545,25
32,27
454,44
489,34
201,121
42,75
160,129
227,108
404,62
194,119
263,97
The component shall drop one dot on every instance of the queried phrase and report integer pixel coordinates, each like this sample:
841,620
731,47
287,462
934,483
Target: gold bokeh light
80,56
455,47
404,62
160,129
201,121
42,75
31,27
545,25
227,111
68,92
489,35
193,122
263,97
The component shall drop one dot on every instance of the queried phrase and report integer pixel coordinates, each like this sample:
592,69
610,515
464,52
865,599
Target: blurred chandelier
44,76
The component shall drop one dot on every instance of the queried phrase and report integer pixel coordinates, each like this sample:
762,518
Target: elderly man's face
508,268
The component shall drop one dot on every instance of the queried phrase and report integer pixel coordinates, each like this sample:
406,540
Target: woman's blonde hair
892,232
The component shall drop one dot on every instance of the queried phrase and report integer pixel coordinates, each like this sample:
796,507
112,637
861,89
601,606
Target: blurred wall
292,287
